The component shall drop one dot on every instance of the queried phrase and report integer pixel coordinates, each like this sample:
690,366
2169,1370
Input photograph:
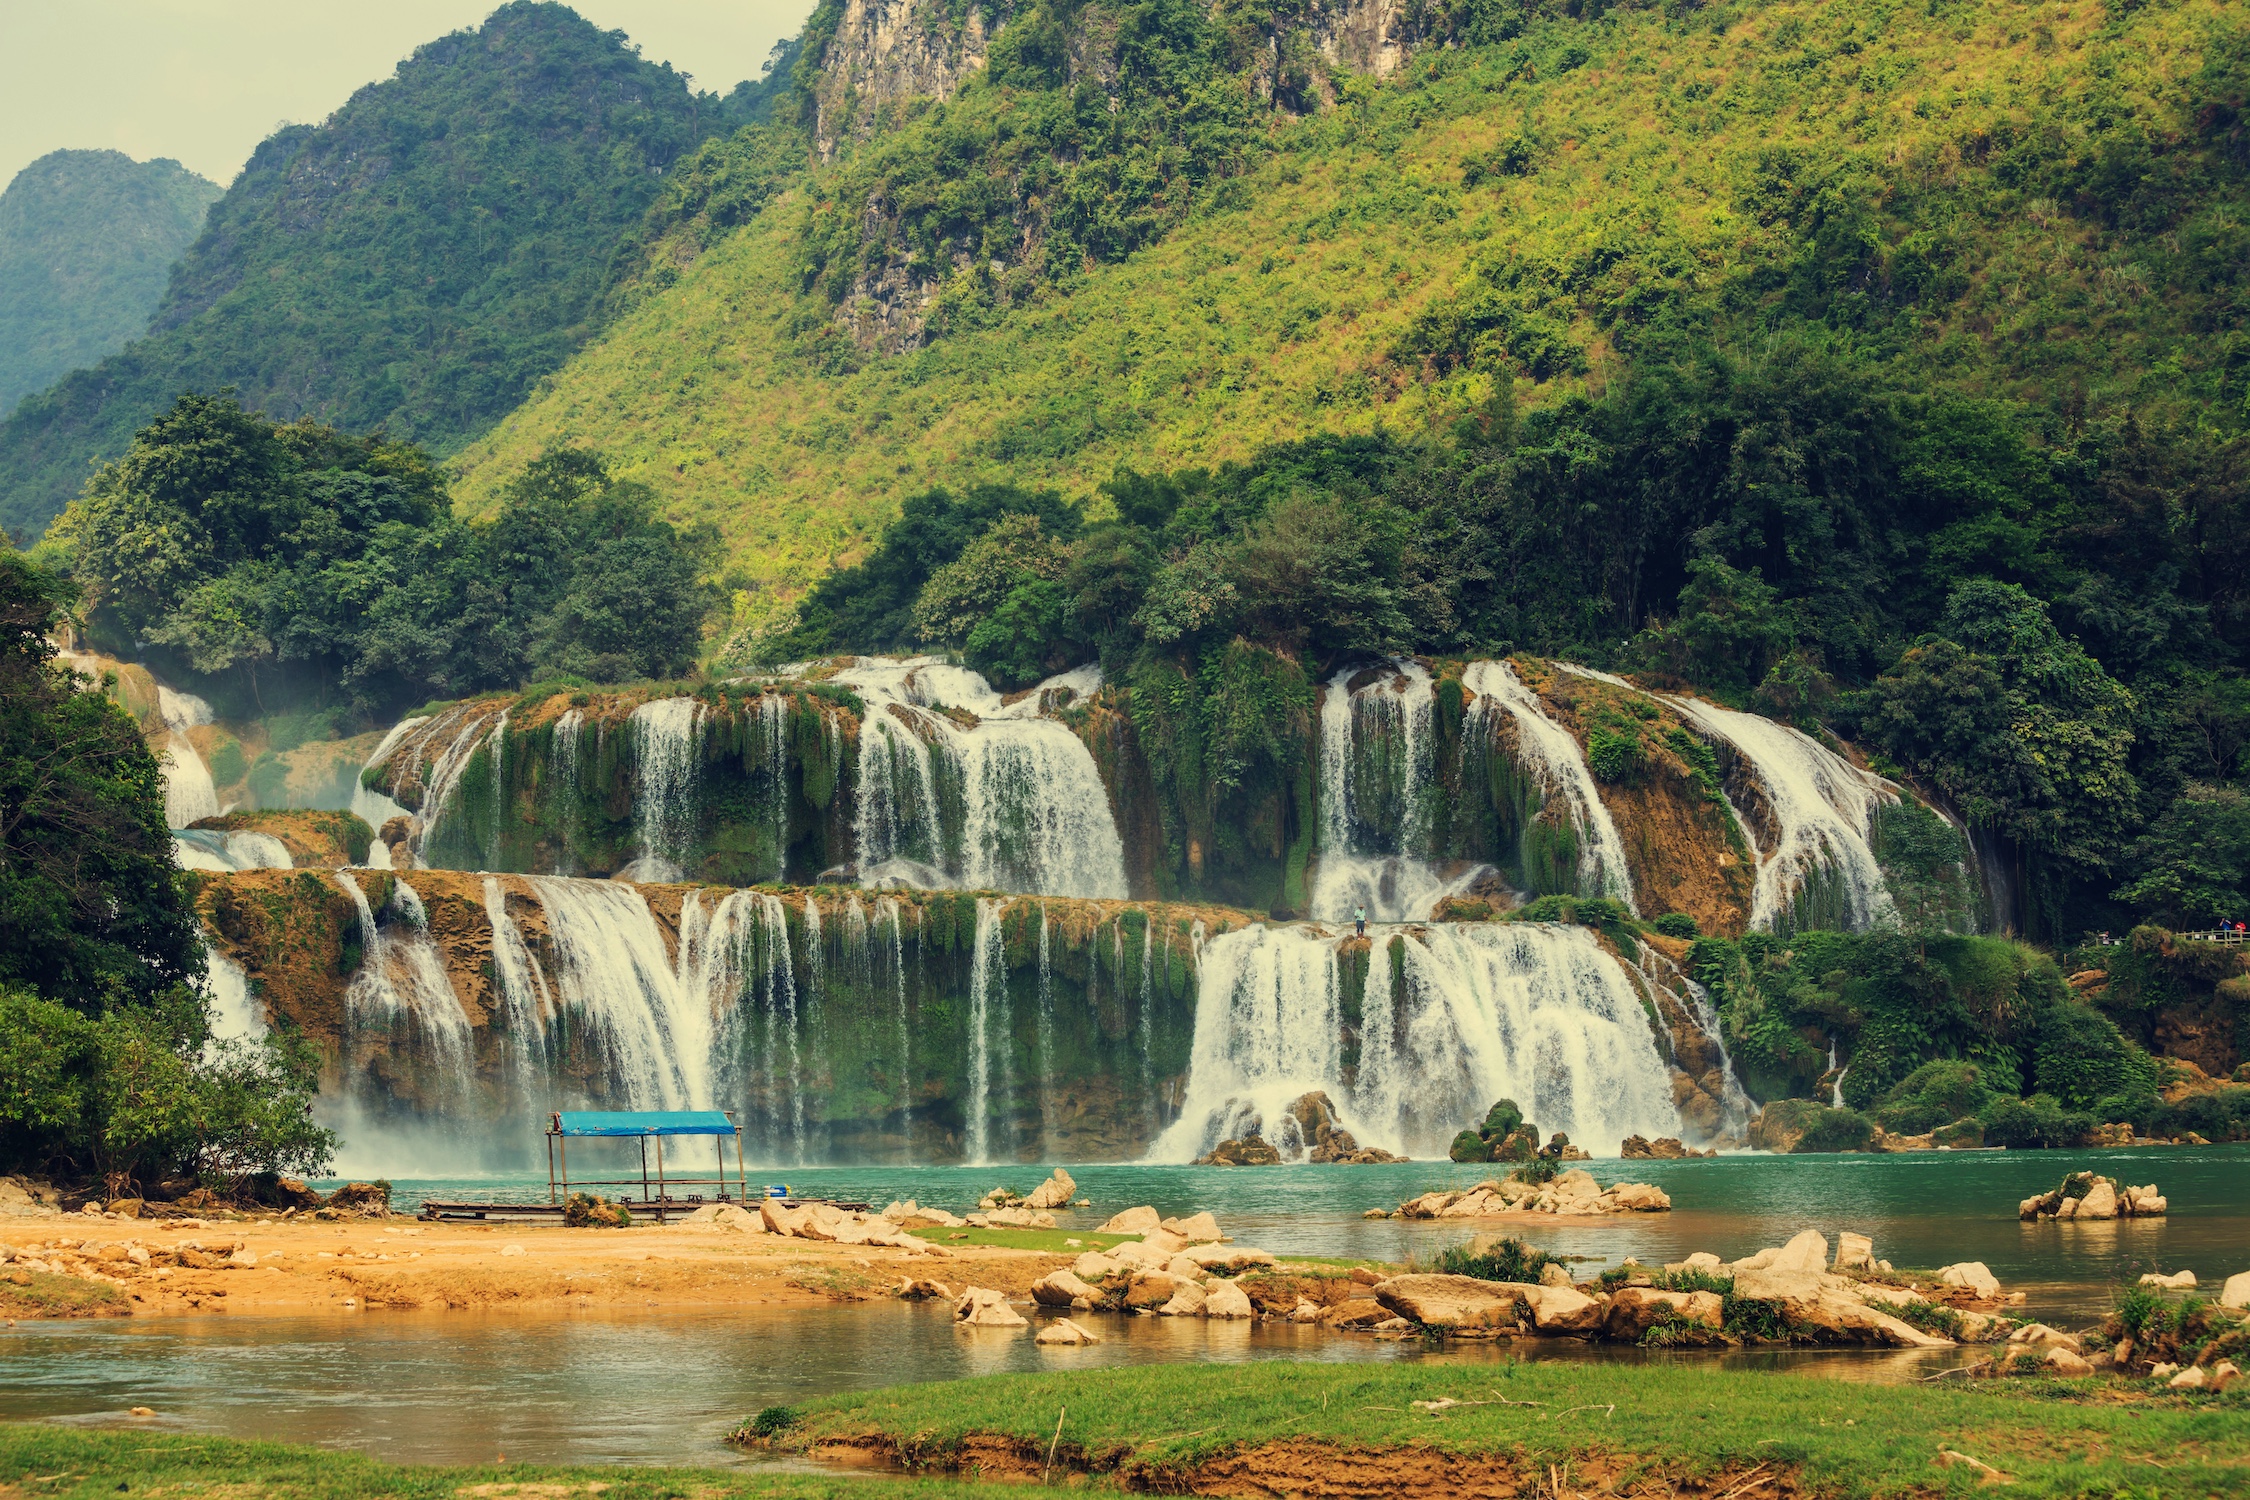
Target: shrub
1507,1260
1754,1321
1837,1130
1932,1095
2039,1121
772,1421
1471,1147
1615,756
1693,1279
588,1211
1676,924
1538,1172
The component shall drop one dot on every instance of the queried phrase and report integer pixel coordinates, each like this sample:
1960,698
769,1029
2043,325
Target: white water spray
667,774
1374,834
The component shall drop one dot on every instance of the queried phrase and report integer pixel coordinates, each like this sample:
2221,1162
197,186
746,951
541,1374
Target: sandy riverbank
254,1267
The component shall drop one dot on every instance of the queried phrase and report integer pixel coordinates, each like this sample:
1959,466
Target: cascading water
1537,1013
224,852
739,969
235,1014
1377,760
188,792
473,731
376,808
646,1034
1822,808
667,763
988,994
1033,814
1556,760
401,997
526,1004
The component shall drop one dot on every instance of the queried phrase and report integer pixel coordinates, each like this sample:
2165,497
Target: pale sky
203,81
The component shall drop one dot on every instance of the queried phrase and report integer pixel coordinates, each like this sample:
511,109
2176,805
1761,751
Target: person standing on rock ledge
1359,920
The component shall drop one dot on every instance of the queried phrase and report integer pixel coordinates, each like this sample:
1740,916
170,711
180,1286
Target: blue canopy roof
645,1122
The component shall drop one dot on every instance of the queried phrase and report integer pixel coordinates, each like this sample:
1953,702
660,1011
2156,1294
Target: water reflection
462,1388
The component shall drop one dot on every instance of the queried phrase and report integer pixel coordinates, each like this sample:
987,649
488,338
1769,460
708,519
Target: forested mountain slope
414,263
2045,209
87,240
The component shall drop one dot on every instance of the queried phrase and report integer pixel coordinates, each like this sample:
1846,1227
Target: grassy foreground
48,1462
1185,1428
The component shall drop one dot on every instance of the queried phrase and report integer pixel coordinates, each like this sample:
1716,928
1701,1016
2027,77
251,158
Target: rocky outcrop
1249,1151
1572,1194
2084,1195
884,54
1663,1148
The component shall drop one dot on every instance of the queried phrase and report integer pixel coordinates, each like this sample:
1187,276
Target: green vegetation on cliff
1967,201
87,241
414,263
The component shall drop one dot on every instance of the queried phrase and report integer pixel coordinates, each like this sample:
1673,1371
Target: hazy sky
204,81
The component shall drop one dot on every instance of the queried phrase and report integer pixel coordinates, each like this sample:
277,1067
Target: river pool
583,1387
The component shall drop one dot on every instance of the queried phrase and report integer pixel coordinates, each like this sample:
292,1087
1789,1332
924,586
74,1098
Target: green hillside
87,239
2045,208
413,263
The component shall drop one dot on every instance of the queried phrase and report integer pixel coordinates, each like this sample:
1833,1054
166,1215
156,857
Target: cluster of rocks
2086,1196
113,1262
1176,1268
1815,1300
825,1222
1506,1135
1663,1148
1312,1124
1572,1193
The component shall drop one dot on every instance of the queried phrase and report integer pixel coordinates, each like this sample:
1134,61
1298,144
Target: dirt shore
143,1268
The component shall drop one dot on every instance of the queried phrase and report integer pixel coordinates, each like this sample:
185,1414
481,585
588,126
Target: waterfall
212,849
1835,1077
235,1013
444,775
1047,1097
988,992
888,910
401,988
188,793
1559,764
1377,763
667,768
376,808
742,976
773,727
1537,1013
1822,809
615,987
1032,812
526,1003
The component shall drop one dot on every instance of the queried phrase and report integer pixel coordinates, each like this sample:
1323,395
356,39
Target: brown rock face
1250,1151
1453,1301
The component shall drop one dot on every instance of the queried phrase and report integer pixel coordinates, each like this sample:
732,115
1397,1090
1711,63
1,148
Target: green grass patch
1046,1241
56,1463
1677,1419
46,1295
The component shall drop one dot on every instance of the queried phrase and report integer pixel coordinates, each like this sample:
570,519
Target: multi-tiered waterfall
188,792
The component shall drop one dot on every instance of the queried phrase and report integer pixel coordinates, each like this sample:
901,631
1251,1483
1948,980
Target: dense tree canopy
290,565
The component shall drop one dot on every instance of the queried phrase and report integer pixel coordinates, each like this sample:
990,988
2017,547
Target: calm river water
457,1387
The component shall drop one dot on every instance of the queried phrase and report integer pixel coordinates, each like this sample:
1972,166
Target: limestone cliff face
885,54
1374,37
